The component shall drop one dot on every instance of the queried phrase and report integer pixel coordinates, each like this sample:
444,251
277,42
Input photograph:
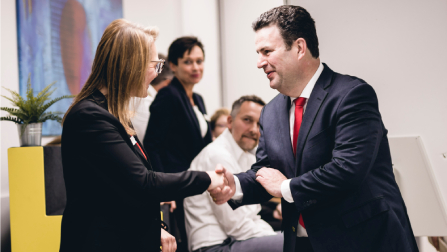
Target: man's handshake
218,179
222,186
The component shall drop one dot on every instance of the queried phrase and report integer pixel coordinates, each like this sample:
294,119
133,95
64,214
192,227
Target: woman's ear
173,67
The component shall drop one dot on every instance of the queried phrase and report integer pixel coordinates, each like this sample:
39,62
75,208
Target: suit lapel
187,105
316,99
284,134
101,101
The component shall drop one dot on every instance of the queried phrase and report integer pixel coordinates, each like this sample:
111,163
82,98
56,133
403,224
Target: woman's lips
195,75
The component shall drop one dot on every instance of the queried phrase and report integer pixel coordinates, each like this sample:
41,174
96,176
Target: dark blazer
342,176
113,194
173,137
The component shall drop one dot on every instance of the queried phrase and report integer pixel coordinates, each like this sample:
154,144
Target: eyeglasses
221,125
159,66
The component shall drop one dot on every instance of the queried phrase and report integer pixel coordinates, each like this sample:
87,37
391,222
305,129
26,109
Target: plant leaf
50,116
12,119
16,98
46,106
32,109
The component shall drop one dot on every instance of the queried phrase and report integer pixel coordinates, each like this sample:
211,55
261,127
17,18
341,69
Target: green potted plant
30,112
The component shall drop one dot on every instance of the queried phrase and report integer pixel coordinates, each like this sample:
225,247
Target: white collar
310,85
151,91
237,150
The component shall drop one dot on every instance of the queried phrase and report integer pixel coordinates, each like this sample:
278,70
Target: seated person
440,243
271,212
212,227
218,122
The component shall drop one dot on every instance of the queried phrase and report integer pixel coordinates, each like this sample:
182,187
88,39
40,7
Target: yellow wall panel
31,229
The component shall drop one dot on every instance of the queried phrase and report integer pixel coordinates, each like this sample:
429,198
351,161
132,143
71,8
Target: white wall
200,18
240,74
9,79
166,15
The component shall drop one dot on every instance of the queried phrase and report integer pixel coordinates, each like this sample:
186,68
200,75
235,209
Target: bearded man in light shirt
212,227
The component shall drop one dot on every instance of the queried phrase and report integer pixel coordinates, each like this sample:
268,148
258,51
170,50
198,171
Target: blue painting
57,41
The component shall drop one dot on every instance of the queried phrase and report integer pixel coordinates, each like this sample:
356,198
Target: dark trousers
180,234
302,244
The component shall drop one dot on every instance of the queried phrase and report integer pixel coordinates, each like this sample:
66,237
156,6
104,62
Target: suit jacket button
293,229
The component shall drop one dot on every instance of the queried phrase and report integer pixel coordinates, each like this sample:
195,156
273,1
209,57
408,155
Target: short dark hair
238,103
178,48
294,22
165,74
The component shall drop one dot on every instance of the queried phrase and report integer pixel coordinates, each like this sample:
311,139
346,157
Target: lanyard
132,139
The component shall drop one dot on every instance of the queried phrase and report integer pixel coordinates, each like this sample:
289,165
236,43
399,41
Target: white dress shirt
141,116
285,186
209,224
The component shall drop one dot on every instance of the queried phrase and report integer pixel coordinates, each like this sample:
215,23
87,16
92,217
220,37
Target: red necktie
299,108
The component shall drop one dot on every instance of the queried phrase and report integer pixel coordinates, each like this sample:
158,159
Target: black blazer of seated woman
113,193
173,137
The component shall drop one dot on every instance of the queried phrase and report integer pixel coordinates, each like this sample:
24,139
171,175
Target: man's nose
262,61
254,129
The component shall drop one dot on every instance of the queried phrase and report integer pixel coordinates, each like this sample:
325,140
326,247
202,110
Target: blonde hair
120,65
217,114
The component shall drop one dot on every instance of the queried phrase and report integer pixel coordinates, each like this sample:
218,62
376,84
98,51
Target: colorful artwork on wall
57,41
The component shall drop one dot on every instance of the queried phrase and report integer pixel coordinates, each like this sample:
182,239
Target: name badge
132,139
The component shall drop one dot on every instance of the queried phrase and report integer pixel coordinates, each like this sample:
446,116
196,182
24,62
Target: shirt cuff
285,191
238,195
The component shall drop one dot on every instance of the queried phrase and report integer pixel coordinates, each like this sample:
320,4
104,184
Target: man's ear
229,122
301,47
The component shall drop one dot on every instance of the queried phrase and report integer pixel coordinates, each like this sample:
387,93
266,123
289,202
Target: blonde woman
113,194
218,122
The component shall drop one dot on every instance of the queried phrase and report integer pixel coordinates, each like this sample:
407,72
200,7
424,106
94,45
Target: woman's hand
168,243
221,195
218,179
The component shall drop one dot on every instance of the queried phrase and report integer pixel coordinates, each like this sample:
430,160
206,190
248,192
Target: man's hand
222,195
271,180
168,243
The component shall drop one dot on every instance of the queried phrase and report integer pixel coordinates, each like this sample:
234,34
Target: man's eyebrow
262,49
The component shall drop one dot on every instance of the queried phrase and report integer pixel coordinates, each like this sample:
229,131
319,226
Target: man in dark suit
323,149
